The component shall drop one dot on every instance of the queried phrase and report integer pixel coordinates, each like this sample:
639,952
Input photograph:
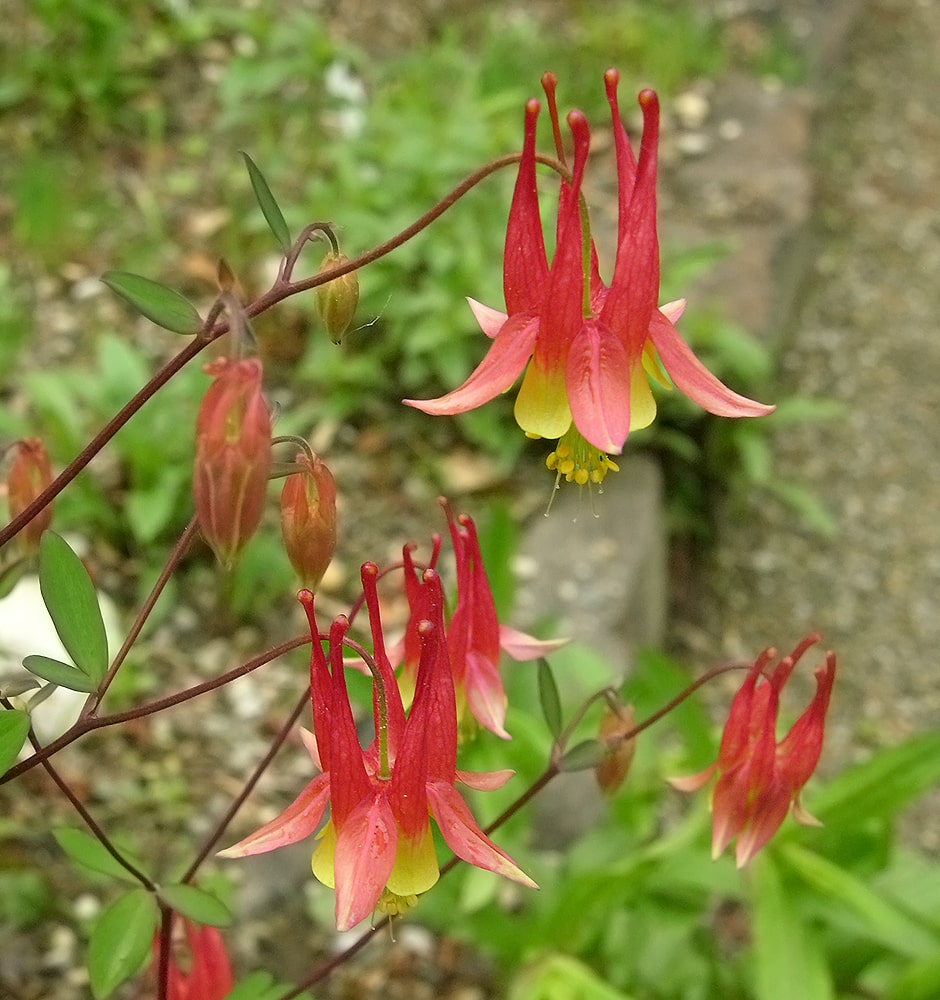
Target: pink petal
465,838
484,781
523,647
486,696
598,385
364,858
299,820
694,380
310,744
491,320
693,782
501,366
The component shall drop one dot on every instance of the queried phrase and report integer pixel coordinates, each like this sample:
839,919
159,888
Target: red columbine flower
758,778
30,473
308,518
233,456
475,636
210,974
590,346
377,849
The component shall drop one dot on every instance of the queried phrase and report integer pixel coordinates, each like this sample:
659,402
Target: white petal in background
25,628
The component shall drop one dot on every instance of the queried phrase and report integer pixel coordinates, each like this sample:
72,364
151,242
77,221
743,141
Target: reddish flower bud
308,519
337,299
30,473
210,972
613,769
233,456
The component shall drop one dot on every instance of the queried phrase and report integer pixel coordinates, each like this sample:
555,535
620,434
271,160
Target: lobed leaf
69,596
161,305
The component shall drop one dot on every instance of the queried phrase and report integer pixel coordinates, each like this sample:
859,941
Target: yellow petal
542,404
416,868
642,404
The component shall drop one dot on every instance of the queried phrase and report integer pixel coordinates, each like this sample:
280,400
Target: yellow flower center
395,905
578,461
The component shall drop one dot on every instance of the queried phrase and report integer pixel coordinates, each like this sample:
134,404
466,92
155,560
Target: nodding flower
376,849
587,350
759,779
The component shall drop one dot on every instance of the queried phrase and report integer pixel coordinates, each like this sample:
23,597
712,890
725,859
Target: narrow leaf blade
57,672
69,596
200,906
120,942
788,962
268,205
14,727
161,305
549,699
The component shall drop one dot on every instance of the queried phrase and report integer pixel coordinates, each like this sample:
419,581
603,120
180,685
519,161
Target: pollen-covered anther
395,905
578,461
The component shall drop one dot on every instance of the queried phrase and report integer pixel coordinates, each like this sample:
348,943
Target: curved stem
90,723
179,550
249,786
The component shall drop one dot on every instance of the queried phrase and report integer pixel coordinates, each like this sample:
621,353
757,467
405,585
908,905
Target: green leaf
70,597
788,962
57,672
161,305
549,699
881,786
14,727
877,919
919,981
200,906
269,206
560,977
262,986
583,756
121,939
90,853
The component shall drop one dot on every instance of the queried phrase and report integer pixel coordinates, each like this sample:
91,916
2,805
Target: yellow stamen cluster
395,905
578,461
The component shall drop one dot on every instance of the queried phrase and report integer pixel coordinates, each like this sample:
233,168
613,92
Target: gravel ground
863,336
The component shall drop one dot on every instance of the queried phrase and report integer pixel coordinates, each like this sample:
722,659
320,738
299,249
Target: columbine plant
586,352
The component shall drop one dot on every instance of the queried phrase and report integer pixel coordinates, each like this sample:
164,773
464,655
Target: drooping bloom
586,349
233,456
377,849
29,474
759,779
308,518
210,973
475,635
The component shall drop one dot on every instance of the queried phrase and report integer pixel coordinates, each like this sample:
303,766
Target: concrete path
865,335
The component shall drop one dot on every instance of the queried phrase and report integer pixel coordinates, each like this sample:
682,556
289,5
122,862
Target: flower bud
612,771
233,456
337,299
30,473
308,519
